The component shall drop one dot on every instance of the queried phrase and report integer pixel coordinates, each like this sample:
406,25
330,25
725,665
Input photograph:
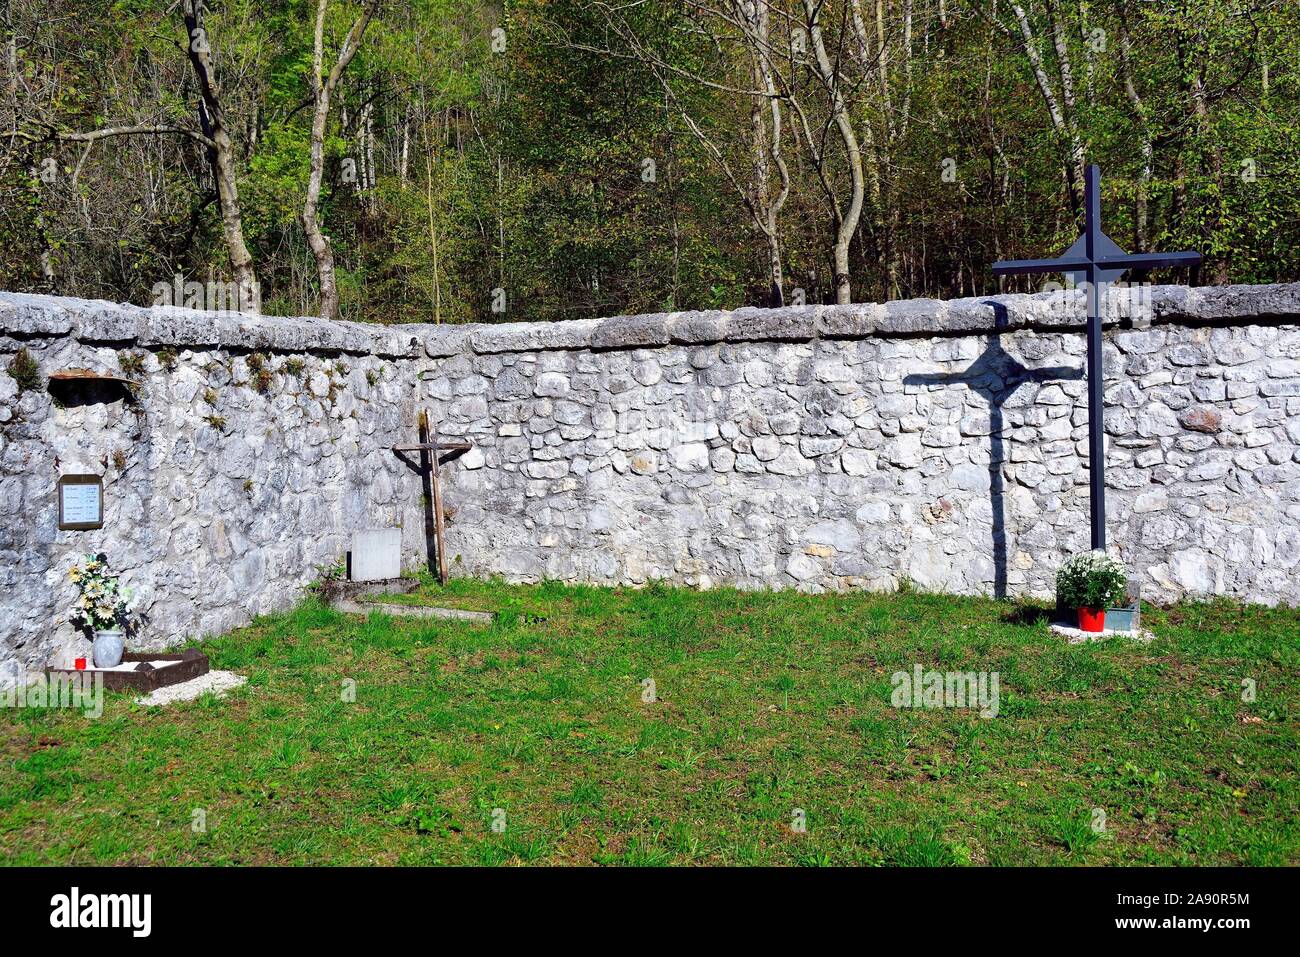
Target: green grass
767,703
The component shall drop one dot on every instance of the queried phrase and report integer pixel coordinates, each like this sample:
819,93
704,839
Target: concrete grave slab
376,554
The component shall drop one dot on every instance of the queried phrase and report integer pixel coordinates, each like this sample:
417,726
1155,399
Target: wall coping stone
100,321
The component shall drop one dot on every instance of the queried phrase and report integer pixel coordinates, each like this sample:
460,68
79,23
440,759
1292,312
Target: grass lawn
767,703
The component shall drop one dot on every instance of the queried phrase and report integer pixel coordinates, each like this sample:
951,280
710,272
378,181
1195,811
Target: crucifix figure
1095,261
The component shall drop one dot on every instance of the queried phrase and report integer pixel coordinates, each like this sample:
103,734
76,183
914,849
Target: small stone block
376,554
1077,636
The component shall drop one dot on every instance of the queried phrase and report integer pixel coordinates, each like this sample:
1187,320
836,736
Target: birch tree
323,86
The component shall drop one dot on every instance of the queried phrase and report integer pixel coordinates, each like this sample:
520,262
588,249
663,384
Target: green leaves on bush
1091,580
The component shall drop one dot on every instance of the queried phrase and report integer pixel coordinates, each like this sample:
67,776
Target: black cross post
1098,261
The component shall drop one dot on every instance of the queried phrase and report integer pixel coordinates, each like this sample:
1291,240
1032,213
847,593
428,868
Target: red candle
81,664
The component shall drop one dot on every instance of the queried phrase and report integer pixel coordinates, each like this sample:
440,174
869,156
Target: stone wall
223,496
816,447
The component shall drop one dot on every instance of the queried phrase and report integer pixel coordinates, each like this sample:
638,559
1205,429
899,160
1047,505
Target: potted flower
103,607
1091,582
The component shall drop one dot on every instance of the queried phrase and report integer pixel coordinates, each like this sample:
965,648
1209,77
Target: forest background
459,160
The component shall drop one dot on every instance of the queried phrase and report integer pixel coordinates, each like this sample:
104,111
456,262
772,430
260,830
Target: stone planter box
1128,618
146,676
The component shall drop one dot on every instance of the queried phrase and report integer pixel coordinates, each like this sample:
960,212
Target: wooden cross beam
1097,260
432,450
434,446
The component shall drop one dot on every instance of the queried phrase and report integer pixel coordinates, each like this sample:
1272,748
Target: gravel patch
413,611
218,682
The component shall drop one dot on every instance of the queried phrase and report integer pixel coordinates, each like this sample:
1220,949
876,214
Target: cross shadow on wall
995,375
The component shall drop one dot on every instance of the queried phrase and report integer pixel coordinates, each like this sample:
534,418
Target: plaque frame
66,480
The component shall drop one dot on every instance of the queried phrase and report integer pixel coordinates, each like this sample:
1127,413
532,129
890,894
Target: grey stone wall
816,447
222,500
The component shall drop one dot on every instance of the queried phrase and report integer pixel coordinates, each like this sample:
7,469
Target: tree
213,135
221,151
322,89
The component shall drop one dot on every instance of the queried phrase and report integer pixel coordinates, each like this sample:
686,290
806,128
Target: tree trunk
317,241
11,77
767,154
322,89
373,184
221,155
1069,107
846,220
1140,214
1218,266
1074,167
406,146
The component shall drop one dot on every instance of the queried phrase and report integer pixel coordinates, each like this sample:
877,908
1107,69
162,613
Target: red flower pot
1092,619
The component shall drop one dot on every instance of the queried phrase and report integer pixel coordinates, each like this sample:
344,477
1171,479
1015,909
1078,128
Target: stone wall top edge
100,321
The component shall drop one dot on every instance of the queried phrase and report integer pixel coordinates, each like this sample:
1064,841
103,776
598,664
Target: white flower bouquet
103,603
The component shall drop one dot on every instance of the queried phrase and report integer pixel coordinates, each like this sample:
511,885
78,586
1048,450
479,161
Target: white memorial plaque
376,554
81,502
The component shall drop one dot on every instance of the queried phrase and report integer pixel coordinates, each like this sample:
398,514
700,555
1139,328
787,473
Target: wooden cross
1098,261
431,451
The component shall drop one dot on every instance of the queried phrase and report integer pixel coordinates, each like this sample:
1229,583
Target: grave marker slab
376,554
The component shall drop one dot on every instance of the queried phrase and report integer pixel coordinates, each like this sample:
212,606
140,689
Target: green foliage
522,170
1091,580
131,363
167,357
261,372
24,370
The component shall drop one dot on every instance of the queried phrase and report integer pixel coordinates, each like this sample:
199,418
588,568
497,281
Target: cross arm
1149,260
1020,267
433,447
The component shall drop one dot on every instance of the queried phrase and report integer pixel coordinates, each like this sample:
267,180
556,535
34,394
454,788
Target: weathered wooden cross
1097,261
431,451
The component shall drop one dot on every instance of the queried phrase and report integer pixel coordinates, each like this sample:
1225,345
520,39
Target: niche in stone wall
71,388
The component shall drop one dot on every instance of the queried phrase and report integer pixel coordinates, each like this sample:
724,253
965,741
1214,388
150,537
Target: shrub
1091,580
256,363
131,364
25,371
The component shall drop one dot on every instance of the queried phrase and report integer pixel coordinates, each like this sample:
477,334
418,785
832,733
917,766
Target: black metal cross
1097,261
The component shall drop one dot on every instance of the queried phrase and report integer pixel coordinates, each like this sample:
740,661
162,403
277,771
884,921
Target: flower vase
107,648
